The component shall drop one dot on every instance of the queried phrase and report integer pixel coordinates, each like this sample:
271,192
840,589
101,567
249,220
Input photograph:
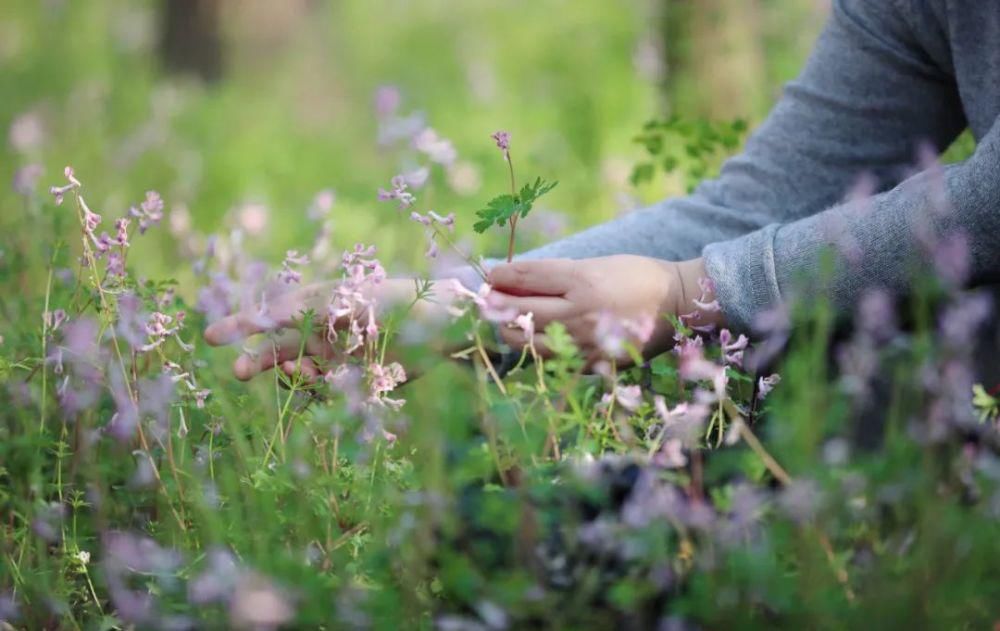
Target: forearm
874,242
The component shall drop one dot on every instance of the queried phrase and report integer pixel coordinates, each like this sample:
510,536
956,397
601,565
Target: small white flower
83,557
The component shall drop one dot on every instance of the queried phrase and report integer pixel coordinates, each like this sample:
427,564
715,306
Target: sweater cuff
744,276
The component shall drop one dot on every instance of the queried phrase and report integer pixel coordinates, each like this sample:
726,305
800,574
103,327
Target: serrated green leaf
498,210
503,208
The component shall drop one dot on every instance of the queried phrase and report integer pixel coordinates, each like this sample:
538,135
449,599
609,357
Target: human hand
288,351
593,296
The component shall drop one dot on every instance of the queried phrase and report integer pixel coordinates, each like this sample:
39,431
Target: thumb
544,277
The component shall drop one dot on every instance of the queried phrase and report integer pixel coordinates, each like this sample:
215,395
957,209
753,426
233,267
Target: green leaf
498,210
503,208
642,173
530,193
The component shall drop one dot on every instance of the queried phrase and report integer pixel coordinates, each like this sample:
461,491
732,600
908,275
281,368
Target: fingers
235,328
545,277
545,308
283,312
305,367
274,352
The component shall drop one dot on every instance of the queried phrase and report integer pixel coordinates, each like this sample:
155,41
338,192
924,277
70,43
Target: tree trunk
191,39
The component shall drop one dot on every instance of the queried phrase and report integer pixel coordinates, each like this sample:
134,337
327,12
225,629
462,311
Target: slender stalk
45,352
513,220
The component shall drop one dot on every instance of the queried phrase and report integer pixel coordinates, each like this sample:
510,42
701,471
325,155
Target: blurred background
256,113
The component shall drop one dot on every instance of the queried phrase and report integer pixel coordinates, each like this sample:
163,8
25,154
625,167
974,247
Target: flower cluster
150,211
352,309
398,192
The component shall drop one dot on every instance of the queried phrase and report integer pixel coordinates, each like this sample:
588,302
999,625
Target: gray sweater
885,78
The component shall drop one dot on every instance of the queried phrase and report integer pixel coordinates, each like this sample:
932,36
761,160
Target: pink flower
288,275
614,333
671,454
200,396
695,367
322,205
502,139
432,249
732,350
417,178
387,100
53,319
421,219
703,303
258,604
384,379
150,211
438,149
398,192
26,178
628,397
121,225
766,384
447,222
488,308
950,255
27,132
684,421
116,265
526,322
59,191
252,218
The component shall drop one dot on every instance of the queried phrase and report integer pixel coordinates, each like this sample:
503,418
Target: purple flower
800,500
258,604
684,422
398,192
116,265
288,275
150,211
26,179
950,255
437,149
27,132
322,205
48,521
963,318
215,299
432,249
417,178
127,552
502,138
877,314
766,384
628,397
121,228
58,192
387,100
447,222
54,319
8,608
671,454
732,350
217,582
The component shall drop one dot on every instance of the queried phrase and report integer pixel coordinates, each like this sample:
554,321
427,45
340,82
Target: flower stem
513,220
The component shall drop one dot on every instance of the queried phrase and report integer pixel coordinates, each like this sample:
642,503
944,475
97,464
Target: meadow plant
369,482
